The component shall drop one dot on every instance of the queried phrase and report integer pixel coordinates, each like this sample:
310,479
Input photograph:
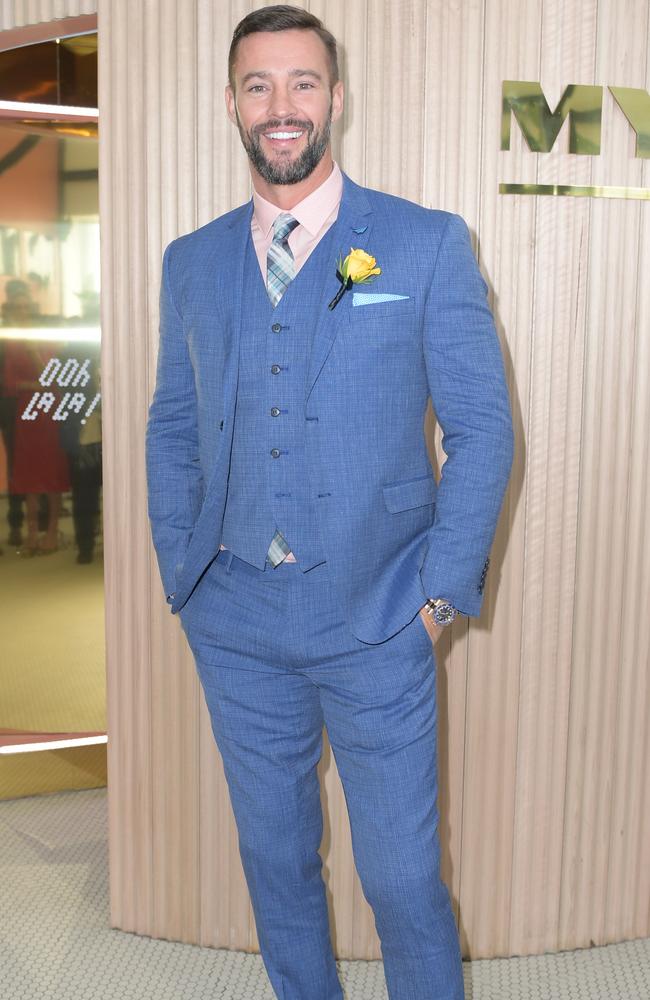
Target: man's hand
435,631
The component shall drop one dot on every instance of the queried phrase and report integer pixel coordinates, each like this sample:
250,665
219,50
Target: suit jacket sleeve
470,398
174,476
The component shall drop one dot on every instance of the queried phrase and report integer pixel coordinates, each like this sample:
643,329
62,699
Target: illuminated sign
582,105
71,374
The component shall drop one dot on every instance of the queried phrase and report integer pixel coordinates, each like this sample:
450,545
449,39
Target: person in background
81,438
18,309
39,464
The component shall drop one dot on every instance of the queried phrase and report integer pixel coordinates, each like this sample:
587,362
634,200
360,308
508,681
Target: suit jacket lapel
351,229
233,249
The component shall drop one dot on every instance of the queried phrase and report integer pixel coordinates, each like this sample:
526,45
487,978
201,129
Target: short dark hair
282,17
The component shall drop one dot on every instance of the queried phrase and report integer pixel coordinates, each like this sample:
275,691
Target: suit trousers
277,661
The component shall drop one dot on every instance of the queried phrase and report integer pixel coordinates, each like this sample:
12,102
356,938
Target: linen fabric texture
392,536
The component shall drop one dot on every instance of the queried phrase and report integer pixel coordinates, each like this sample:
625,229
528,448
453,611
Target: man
299,528
18,309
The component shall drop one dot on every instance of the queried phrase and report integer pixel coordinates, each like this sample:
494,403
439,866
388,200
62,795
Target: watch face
444,614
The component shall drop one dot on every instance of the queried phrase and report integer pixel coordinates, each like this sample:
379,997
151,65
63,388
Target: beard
284,170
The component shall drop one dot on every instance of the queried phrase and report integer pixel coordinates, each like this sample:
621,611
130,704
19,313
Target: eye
304,85
256,88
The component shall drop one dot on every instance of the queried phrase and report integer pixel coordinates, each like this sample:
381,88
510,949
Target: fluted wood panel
547,386
607,756
16,13
544,703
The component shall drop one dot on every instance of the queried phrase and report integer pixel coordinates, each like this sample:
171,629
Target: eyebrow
292,72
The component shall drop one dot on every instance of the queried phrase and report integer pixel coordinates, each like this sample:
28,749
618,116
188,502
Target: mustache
279,124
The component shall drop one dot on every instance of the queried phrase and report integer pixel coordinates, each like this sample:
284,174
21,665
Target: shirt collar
312,212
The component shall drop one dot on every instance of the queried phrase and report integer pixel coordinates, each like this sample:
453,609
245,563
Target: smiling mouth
282,135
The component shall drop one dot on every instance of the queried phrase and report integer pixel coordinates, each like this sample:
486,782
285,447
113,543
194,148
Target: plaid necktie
280,270
279,549
280,265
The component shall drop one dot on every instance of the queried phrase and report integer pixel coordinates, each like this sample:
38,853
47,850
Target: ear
338,92
231,107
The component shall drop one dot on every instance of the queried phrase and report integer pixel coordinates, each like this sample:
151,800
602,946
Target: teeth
283,135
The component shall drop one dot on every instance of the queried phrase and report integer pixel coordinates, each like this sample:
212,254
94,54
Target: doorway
52,675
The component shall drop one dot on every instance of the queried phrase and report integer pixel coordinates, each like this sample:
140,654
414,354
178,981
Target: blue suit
280,652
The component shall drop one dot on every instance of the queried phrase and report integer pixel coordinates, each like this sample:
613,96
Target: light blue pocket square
369,298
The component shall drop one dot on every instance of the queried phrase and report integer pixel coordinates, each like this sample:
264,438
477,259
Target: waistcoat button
275,452
275,369
275,412
276,328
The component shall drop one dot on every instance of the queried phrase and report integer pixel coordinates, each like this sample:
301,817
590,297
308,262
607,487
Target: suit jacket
393,535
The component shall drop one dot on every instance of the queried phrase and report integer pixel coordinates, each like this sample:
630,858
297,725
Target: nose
282,103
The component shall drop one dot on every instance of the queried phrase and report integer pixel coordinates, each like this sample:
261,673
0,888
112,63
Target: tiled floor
55,942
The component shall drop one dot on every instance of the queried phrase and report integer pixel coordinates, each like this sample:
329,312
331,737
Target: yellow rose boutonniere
358,268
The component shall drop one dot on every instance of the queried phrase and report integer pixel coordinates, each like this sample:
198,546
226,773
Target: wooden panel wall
16,13
544,701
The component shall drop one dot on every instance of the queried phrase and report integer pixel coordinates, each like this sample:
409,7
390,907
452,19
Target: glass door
51,573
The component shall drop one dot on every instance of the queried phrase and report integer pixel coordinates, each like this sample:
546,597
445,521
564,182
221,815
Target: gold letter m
540,125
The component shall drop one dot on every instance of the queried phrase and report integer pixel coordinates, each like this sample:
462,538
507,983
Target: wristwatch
442,612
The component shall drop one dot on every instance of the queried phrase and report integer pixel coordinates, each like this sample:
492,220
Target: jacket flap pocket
411,493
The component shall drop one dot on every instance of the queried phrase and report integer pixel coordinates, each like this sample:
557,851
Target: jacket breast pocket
410,493
397,311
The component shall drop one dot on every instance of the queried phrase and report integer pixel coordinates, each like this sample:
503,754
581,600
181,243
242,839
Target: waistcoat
268,481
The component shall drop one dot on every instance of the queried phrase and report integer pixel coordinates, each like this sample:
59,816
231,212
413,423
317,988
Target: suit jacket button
275,369
275,452
276,328
275,412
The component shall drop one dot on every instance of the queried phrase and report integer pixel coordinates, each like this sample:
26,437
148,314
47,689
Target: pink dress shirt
315,214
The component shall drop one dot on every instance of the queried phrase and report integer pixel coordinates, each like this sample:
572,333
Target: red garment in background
40,464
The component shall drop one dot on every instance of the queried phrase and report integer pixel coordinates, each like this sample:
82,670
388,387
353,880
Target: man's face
283,104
